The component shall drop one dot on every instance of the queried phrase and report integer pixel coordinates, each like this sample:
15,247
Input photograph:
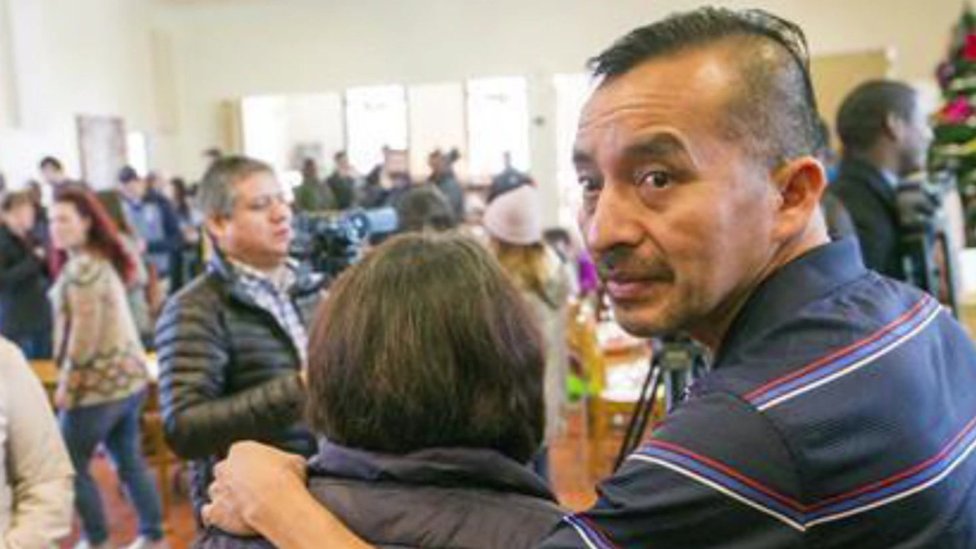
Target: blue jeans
117,425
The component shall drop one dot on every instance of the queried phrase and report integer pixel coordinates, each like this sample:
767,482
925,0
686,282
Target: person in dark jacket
387,181
314,194
155,219
405,465
886,138
343,181
442,176
25,314
231,344
509,179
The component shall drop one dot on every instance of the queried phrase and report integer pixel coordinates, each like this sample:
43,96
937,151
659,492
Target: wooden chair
158,455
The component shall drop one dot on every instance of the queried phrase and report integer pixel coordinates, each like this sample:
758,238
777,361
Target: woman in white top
36,492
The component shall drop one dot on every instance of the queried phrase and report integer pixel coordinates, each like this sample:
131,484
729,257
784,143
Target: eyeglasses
265,202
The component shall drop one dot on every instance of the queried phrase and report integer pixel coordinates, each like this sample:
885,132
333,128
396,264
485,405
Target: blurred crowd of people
150,214
92,280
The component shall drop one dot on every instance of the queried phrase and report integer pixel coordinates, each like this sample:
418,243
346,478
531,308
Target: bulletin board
836,75
102,147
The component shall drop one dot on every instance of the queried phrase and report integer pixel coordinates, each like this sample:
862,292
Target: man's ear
801,184
215,225
894,127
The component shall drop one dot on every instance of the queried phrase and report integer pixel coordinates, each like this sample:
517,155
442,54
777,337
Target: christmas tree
954,148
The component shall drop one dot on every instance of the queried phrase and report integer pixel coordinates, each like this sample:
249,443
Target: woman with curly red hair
103,364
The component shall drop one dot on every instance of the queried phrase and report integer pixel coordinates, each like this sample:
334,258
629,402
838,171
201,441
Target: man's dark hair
127,175
774,111
863,115
424,207
338,155
456,363
51,162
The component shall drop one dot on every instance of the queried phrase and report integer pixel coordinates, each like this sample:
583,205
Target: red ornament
957,111
969,48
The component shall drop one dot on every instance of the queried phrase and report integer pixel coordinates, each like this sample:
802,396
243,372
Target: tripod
675,363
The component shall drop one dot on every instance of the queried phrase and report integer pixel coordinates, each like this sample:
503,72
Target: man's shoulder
862,320
206,292
466,516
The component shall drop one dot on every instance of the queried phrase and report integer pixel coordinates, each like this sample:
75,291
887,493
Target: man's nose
281,211
613,222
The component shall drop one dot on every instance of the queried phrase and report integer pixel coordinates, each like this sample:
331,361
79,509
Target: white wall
164,66
232,49
69,58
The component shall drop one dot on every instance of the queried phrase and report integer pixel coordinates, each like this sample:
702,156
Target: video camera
329,242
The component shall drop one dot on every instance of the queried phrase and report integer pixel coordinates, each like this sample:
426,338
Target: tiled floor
571,480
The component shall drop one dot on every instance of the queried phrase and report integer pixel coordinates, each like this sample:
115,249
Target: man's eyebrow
658,145
582,157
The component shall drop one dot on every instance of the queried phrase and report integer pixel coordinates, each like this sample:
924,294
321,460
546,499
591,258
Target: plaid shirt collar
272,292
282,280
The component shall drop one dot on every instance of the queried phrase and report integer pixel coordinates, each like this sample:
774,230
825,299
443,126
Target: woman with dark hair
103,364
425,381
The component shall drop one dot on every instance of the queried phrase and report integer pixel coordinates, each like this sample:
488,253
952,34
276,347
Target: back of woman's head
426,344
103,234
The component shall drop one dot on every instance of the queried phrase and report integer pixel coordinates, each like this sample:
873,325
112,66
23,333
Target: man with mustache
232,343
839,412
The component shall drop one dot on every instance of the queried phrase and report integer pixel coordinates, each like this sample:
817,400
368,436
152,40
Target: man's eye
589,183
657,179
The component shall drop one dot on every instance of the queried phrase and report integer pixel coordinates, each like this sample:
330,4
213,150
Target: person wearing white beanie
514,224
515,217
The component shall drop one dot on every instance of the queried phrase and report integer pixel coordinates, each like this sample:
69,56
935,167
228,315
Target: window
436,122
284,130
376,117
137,151
571,92
498,122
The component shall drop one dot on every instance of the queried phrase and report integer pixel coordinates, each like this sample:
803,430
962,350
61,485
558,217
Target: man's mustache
623,262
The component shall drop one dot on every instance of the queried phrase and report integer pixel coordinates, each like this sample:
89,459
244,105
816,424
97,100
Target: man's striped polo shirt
841,412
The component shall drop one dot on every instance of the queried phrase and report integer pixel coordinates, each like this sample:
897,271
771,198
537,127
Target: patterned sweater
104,360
